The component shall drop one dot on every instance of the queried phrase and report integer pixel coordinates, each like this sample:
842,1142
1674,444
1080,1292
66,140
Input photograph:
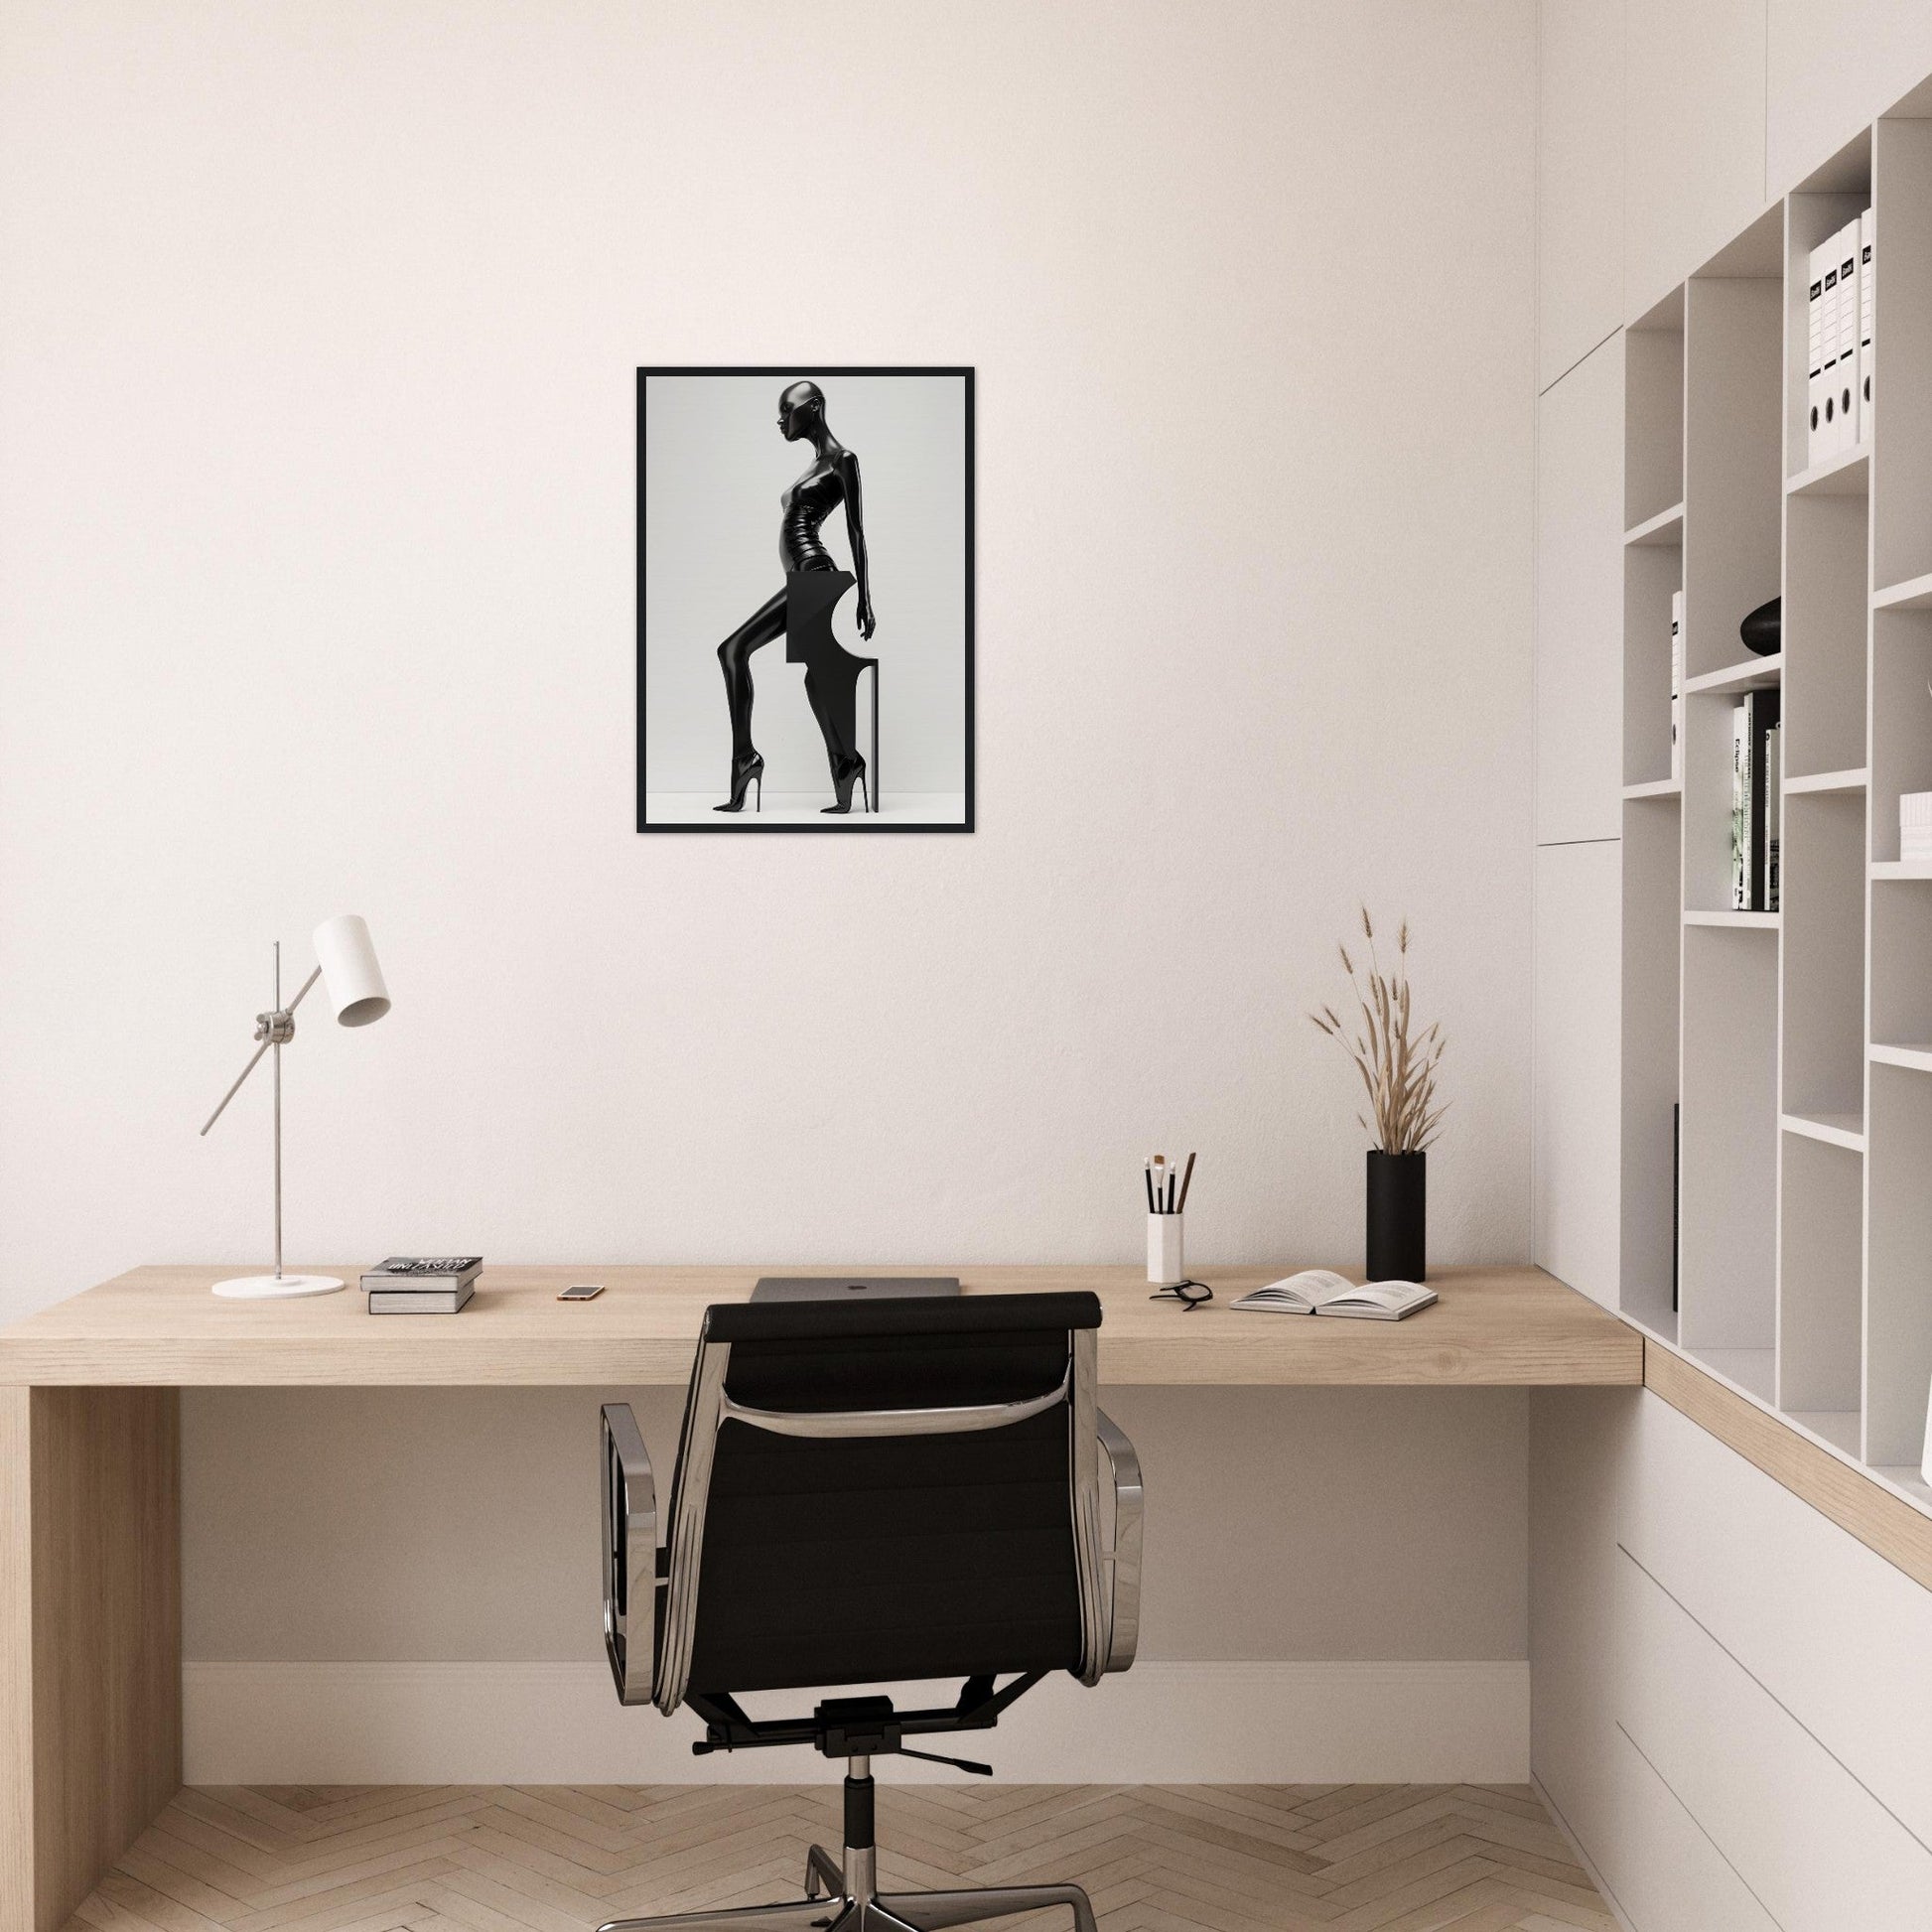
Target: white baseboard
561,1724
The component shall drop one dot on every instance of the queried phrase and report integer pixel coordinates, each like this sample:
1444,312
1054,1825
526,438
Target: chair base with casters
956,1418
841,1894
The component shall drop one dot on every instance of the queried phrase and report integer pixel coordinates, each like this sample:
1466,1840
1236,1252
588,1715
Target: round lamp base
273,1287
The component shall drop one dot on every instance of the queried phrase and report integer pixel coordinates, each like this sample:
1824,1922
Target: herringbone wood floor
558,1859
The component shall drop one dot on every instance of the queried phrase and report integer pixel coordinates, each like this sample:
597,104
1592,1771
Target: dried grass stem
1398,1064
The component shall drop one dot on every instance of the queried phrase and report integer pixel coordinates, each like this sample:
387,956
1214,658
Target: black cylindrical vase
1398,1216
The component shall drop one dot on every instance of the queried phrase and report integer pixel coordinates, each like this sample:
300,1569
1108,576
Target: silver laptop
846,1288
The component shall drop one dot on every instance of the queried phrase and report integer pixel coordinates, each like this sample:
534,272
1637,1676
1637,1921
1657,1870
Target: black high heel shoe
843,773
744,773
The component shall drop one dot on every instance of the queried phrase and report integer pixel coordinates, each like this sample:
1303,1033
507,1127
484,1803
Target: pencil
1186,1180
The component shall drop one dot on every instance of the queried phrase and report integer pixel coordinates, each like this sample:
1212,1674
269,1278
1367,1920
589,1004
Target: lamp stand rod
277,1006
273,1030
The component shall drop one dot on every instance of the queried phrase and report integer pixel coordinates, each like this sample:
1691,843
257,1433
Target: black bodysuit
801,613
806,505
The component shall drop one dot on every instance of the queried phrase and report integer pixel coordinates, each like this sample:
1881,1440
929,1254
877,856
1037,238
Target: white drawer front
1813,1845
1666,1874
1838,1636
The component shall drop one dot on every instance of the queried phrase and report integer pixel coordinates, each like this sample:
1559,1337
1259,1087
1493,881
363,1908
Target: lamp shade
350,975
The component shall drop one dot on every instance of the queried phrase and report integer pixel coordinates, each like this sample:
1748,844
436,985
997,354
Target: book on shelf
1752,818
1740,811
420,1301
1677,686
1320,1291
1773,811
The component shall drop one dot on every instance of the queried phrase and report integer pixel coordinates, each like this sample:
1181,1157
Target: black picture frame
786,373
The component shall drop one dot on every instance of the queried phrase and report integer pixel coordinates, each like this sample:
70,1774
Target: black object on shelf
1398,1216
1676,1192
1763,630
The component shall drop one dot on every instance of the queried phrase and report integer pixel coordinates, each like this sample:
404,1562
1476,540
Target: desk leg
90,1637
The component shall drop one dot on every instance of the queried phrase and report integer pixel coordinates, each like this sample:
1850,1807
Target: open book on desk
1320,1291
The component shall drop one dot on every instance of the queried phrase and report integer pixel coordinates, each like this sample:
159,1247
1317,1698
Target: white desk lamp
345,965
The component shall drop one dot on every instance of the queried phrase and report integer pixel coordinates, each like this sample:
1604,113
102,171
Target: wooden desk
89,1461
1493,1326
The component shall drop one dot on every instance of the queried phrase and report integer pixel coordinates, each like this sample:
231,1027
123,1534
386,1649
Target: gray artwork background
714,467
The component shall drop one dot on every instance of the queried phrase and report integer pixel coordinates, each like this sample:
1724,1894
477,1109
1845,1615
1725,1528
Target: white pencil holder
1165,1249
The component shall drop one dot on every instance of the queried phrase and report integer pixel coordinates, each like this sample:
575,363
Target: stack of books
421,1284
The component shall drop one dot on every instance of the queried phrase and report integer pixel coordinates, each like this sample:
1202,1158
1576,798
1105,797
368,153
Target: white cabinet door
1692,137
1578,751
1834,67
1840,1638
1815,1847
1579,179
1574,1112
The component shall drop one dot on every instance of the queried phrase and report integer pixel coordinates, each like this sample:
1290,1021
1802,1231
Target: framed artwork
804,600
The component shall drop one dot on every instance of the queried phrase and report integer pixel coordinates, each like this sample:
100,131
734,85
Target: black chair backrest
864,1557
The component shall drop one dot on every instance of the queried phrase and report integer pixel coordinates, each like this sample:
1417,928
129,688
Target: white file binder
1845,390
1867,300
1814,356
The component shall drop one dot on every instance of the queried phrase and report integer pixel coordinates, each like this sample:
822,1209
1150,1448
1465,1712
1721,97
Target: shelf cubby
1822,917
1821,1216
1901,963
1651,574
1836,193
1728,1222
1826,614
1707,729
1733,475
1652,854
1899,1289
1901,717
1653,418
1901,402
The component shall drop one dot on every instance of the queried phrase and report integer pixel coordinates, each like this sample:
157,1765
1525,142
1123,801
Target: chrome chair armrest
629,1554
1123,1559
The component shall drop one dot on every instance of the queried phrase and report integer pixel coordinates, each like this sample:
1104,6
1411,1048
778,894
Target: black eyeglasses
1190,1294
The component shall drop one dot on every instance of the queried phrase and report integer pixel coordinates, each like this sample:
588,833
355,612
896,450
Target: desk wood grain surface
160,1327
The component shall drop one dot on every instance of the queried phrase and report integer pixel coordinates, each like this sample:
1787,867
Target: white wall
318,446
316,488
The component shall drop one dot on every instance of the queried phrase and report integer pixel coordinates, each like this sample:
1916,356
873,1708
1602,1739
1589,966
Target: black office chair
867,1494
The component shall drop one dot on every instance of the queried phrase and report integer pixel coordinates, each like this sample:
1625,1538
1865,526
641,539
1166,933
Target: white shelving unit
1797,1044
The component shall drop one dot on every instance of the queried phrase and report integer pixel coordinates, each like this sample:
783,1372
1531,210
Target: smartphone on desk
582,1291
